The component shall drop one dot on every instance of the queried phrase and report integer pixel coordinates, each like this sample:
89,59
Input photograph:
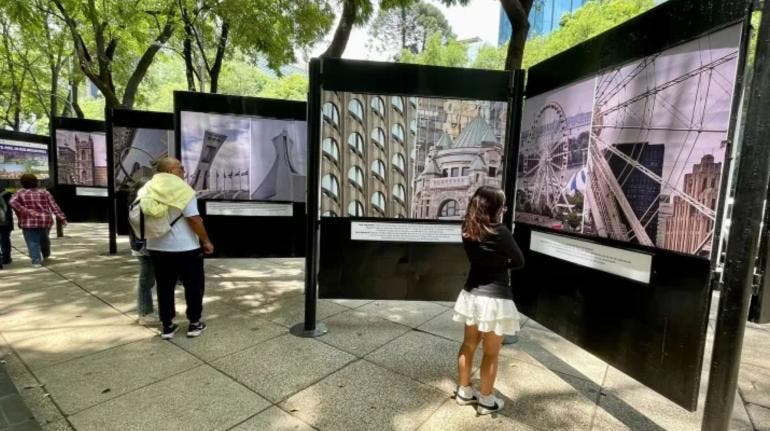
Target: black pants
170,267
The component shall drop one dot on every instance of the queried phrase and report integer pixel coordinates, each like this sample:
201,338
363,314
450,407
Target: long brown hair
483,211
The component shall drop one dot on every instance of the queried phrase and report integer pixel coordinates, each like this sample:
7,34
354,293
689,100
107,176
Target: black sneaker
169,331
195,329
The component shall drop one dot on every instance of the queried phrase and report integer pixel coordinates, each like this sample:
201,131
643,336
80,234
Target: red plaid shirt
34,207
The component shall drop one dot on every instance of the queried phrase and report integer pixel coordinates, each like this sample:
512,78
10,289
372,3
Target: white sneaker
489,404
464,399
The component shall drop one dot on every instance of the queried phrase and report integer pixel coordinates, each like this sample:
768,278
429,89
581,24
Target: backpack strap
175,220
141,224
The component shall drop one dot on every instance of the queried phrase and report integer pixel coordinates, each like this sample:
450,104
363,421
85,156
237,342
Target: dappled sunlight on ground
68,334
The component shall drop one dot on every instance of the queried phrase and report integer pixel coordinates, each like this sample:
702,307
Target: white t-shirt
181,237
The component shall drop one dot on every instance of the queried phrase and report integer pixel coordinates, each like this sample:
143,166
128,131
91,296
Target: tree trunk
189,69
515,54
73,98
518,14
403,28
216,68
53,97
342,34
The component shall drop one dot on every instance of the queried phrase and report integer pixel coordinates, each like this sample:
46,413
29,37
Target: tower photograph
244,157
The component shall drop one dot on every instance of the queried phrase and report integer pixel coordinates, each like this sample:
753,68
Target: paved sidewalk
69,341
14,414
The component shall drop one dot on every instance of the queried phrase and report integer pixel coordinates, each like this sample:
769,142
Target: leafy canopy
436,53
407,27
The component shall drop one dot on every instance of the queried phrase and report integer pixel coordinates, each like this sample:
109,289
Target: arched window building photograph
408,157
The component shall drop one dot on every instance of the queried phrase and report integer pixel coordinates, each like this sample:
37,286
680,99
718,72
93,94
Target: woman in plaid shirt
33,207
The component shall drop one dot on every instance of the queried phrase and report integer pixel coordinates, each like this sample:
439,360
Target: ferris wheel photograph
635,153
551,172
658,145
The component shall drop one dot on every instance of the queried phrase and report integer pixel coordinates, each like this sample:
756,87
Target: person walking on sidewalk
177,254
33,207
144,302
486,305
6,226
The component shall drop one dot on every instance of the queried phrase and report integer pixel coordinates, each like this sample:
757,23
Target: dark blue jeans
144,288
5,244
38,244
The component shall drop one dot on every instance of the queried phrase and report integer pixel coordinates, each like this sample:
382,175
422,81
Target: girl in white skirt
485,305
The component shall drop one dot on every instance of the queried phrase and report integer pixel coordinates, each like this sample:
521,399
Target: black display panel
653,332
397,163
136,140
246,159
22,153
80,169
624,142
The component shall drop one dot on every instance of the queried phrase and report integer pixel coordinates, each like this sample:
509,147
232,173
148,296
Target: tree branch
129,95
518,14
342,34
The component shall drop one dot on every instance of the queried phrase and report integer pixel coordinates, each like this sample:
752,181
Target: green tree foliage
291,87
116,41
359,12
437,53
270,29
490,57
35,52
407,27
595,17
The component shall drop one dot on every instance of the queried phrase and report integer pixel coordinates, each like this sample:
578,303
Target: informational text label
91,191
249,209
625,263
405,232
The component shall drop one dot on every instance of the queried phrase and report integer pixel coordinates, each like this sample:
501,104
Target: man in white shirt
178,255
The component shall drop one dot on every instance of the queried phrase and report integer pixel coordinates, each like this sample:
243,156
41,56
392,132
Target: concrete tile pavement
70,344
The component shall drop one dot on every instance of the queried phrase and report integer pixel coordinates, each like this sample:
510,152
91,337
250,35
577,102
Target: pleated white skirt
489,314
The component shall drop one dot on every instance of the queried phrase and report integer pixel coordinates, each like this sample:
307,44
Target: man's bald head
171,165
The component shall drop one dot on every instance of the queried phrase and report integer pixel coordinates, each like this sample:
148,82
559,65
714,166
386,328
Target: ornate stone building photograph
81,158
391,156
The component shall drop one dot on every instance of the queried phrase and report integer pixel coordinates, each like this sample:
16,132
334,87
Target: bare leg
492,343
465,357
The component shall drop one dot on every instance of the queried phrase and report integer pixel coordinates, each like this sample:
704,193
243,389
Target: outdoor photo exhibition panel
136,140
80,168
22,153
621,164
246,158
401,150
